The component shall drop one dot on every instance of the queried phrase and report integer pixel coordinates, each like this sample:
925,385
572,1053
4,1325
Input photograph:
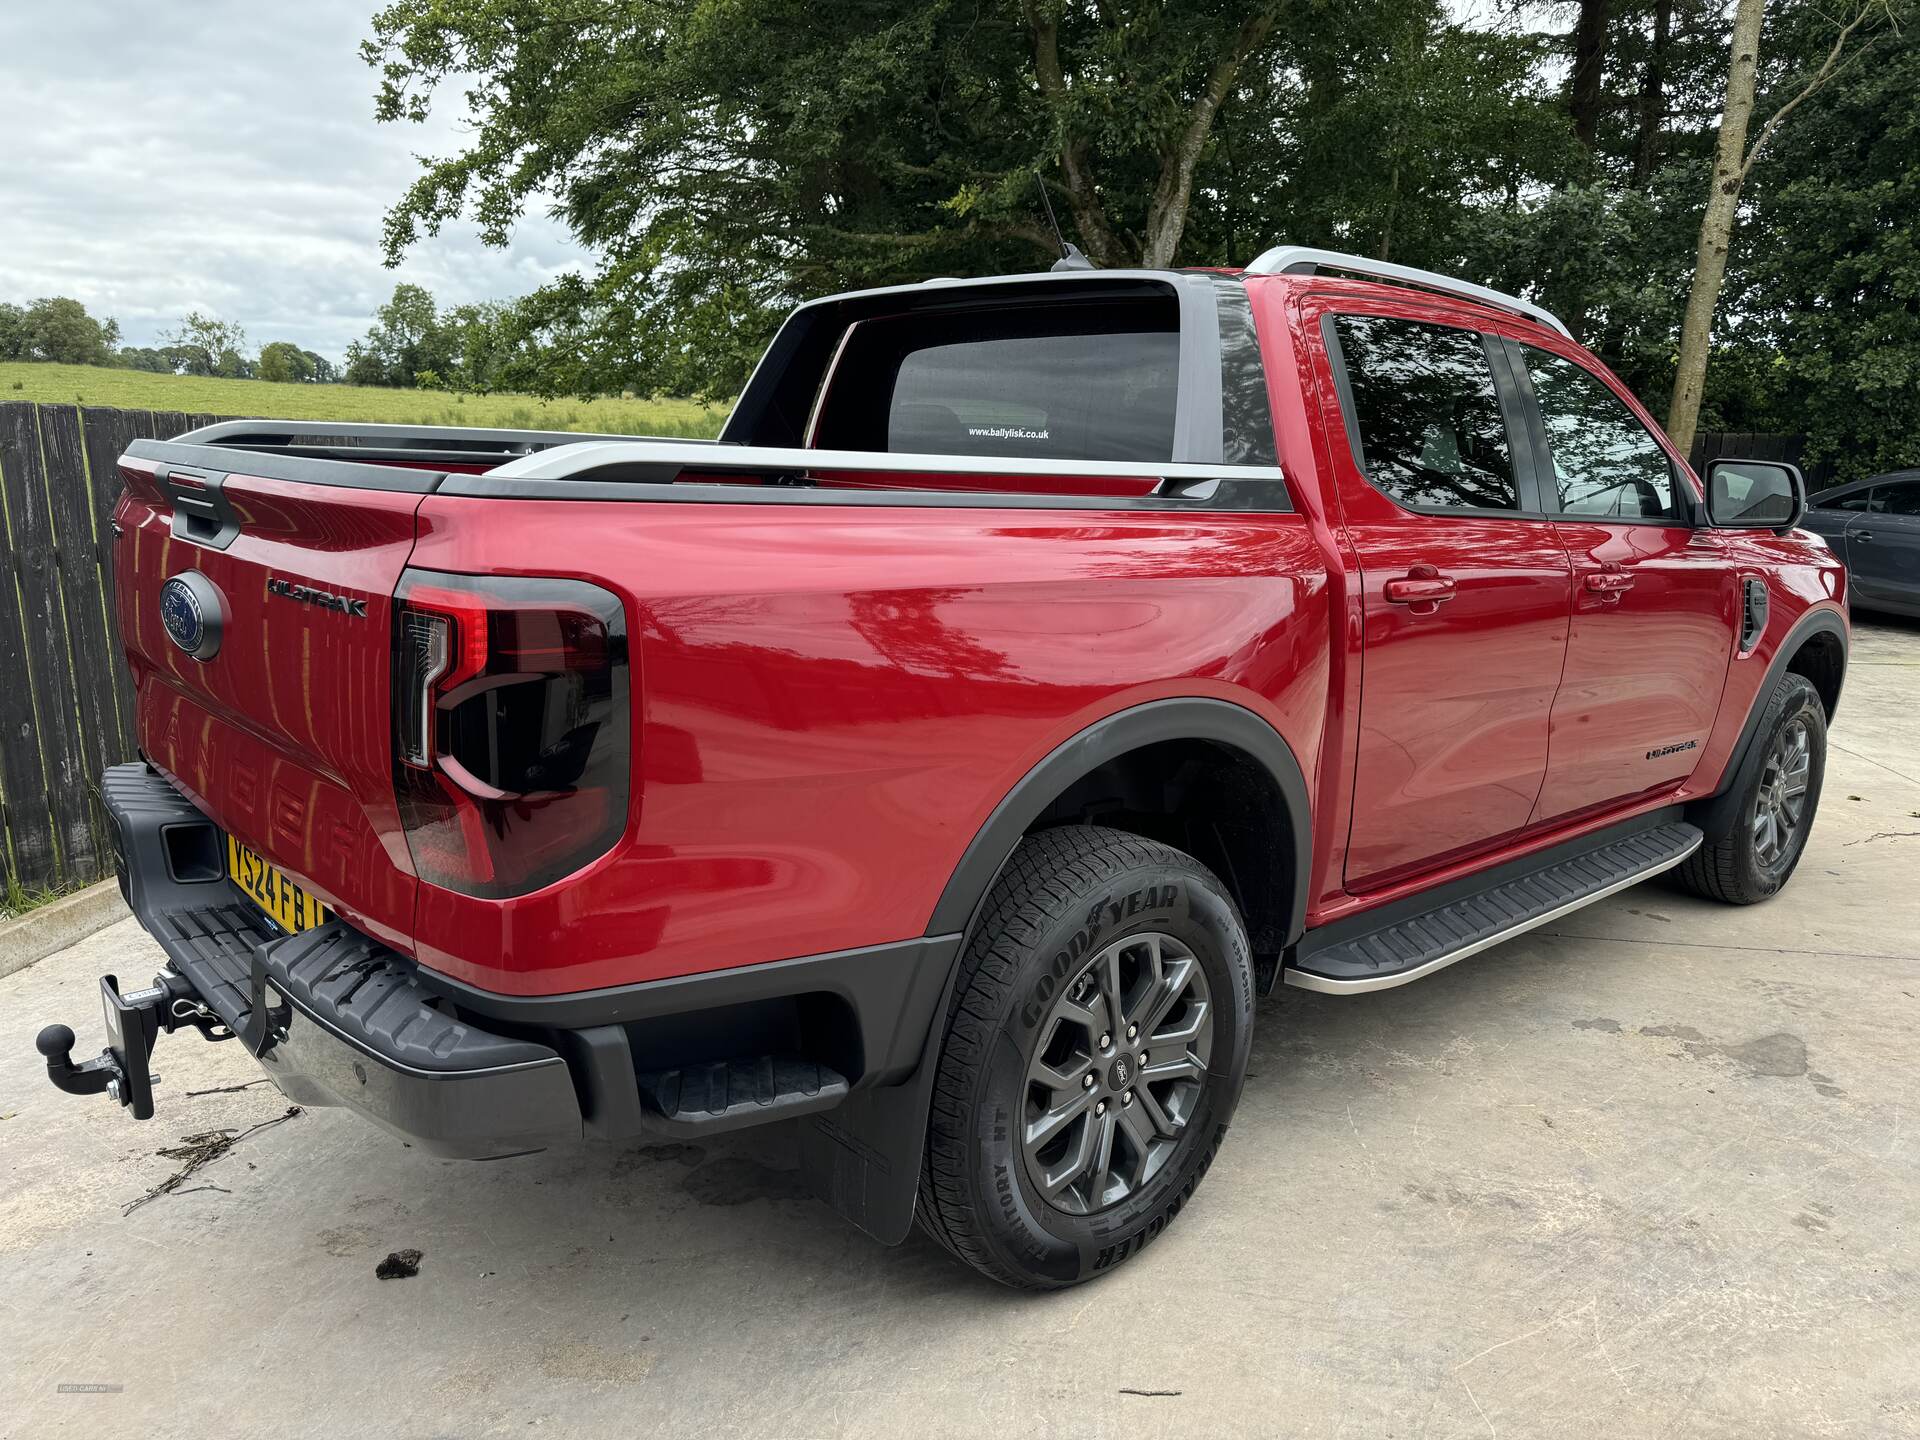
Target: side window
1898,499
1856,501
1427,414
1605,463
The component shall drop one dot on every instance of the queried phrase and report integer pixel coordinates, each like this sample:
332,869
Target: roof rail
1305,260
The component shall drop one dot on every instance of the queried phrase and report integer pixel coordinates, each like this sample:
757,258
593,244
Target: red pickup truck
1037,671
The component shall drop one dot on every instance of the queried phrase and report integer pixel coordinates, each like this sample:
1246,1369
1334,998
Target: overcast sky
221,156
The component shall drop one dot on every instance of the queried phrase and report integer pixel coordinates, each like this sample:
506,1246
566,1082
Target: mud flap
863,1158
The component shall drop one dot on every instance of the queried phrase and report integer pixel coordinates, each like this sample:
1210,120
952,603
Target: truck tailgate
275,720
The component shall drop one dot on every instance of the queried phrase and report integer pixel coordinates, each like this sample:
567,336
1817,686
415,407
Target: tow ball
134,1022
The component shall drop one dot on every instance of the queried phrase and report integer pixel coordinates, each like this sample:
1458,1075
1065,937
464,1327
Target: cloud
222,156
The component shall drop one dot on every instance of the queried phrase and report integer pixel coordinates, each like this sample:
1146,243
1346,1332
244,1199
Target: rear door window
1426,415
1085,381
1899,499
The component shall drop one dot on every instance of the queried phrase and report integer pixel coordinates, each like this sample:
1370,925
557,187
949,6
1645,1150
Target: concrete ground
1654,1172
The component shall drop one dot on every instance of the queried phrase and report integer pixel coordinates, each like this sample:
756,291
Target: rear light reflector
511,727
424,642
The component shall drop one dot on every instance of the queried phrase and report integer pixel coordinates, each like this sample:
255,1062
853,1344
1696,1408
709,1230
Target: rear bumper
336,1018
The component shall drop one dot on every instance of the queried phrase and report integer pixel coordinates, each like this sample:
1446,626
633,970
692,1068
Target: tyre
1094,1050
1751,858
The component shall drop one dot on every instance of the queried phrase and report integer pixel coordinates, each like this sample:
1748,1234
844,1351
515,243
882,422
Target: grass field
138,390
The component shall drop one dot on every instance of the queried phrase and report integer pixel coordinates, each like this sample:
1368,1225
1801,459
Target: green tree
156,362
13,332
727,159
477,347
1826,284
363,367
406,340
205,345
59,330
1386,130
1608,261
1733,159
283,361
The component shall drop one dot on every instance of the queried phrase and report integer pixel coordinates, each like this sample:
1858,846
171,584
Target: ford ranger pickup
1036,672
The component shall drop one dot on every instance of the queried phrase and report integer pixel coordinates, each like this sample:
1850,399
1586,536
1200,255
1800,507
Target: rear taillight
510,728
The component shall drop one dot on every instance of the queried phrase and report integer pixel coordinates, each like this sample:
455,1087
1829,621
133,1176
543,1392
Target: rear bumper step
730,1094
345,1023
1378,952
335,1017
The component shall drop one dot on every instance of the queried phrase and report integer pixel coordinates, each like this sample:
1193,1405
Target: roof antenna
1070,256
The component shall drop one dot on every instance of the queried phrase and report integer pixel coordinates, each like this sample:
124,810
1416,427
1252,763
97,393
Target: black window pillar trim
1526,436
1534,434
1343,390
1246,409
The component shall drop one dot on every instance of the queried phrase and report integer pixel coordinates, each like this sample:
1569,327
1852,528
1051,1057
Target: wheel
1094,1051
1753,856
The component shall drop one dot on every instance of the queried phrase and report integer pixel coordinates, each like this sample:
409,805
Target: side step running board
1416,937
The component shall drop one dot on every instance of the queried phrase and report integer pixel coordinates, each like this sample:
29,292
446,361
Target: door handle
1609,583
1861,535
1422,585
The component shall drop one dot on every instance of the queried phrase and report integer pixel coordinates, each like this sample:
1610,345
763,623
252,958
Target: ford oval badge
192,611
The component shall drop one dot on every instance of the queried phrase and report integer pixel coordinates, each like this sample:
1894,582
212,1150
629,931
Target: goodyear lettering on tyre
1106,914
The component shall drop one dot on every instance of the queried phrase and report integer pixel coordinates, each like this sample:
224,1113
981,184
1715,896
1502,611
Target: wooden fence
66,704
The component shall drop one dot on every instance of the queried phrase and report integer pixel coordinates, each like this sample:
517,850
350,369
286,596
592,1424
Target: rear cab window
1062,381
1137,370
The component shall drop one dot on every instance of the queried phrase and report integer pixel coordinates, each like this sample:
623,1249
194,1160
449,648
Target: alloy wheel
1117,1072
1782,800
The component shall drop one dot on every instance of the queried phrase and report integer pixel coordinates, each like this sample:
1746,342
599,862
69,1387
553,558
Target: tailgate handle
202,513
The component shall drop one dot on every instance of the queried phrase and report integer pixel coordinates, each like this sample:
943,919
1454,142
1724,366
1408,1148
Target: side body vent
1753,613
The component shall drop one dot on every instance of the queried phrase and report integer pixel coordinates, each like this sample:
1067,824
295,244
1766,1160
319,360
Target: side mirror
1754,495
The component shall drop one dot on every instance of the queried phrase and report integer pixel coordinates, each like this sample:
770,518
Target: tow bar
134,1021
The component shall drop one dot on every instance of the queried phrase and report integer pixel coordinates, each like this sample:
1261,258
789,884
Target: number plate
290,907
